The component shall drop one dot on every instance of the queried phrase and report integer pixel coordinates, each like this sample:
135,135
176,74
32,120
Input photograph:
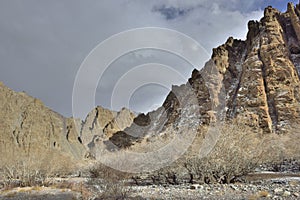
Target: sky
43,45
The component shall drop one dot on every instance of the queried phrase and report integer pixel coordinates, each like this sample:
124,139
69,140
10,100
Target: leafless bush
24,174
240,150
33,168
237,152
110,182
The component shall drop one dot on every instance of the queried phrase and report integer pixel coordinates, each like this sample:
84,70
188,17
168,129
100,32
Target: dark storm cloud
171,12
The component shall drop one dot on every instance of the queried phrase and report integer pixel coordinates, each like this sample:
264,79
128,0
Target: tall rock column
280,75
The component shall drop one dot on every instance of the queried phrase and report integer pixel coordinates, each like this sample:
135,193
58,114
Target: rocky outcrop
101,124
270,81
121,120
94,124
260,74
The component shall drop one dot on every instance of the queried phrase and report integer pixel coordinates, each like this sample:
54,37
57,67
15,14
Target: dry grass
19,169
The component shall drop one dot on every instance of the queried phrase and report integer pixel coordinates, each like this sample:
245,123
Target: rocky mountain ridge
27,125
255,81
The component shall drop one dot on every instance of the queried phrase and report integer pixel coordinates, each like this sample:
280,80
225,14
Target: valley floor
272,189
263,187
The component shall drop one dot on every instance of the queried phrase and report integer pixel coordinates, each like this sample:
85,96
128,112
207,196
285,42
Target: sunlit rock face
261,75
255,81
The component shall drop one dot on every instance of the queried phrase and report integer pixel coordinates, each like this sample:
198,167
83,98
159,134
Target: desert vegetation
33,168
239,150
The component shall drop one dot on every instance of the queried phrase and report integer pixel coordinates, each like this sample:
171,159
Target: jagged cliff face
255,81
101,124
261,74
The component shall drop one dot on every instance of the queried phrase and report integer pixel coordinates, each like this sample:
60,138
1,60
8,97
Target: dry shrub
20,169
238,151
110,182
